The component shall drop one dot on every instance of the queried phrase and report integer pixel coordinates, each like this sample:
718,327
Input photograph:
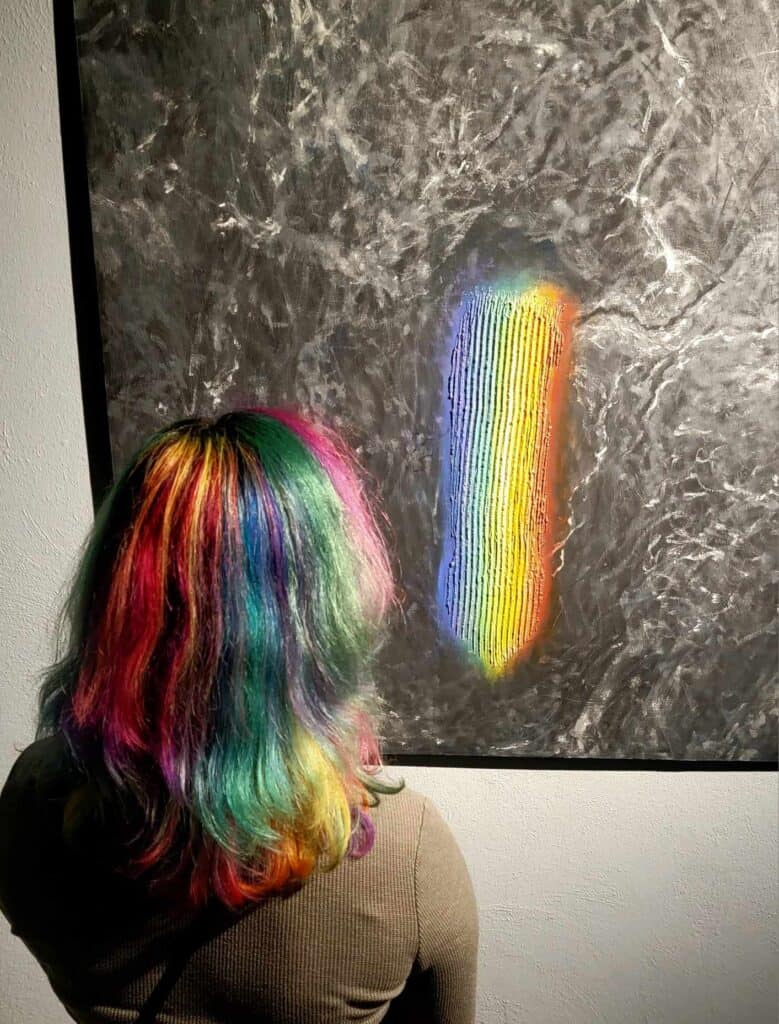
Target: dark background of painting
288,200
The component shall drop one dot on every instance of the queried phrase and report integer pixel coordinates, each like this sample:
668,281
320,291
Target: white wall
619,897
605,897
44,486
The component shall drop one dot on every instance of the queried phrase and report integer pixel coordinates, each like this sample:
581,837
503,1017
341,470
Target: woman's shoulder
407,804
404,808
31,802
410,818
45,767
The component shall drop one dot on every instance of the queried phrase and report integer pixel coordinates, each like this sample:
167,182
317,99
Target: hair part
221,628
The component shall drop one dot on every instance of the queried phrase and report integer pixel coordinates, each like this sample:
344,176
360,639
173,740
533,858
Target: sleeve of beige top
448,923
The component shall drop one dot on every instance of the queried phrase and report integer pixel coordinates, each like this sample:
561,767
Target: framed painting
523,256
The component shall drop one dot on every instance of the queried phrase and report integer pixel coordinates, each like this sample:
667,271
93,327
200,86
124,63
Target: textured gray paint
288,199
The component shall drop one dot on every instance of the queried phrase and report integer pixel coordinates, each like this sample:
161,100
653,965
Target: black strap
212,921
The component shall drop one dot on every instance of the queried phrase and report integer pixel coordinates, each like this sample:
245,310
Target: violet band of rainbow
506,372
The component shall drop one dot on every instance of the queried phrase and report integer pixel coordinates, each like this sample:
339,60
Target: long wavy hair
218,643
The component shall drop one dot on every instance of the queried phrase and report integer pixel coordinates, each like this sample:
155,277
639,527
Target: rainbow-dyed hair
221,627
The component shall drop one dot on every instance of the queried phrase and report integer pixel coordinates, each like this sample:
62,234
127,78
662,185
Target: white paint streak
668,46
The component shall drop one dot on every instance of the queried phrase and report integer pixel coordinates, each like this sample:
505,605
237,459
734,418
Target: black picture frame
93,388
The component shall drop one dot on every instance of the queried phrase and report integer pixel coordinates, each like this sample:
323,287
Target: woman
200,831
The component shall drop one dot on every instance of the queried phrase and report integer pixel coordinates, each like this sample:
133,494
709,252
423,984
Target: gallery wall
604,896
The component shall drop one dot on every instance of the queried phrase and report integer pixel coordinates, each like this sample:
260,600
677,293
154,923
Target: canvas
523,255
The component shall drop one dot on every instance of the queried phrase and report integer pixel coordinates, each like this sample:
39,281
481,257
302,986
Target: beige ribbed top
389,937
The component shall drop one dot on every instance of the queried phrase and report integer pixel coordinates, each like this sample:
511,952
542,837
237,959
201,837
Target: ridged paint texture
505,376
221,628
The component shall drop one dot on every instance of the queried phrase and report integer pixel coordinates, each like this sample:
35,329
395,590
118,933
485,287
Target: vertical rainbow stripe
507,367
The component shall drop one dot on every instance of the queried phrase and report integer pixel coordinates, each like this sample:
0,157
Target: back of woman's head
221,628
